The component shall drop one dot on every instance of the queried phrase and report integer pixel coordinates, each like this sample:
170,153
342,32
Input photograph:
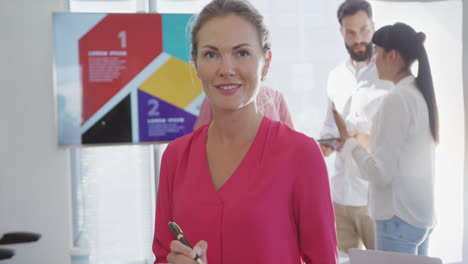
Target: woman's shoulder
395,98
286,138
299,152
182,144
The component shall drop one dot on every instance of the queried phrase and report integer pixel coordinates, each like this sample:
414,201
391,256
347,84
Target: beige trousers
354,227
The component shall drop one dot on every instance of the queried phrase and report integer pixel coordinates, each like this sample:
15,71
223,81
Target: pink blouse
275,208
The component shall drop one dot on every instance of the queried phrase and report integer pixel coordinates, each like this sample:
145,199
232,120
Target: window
306,45
177,6
113,191
113,187
108,6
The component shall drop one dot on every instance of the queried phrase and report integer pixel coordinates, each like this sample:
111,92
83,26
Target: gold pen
179,234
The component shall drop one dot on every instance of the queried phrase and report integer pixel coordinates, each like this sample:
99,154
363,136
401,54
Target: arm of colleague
381,163
328,130
205,115
283,111
363,120
313,209
162,234
181,254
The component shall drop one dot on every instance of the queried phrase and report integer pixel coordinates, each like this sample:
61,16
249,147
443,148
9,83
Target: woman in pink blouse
245,189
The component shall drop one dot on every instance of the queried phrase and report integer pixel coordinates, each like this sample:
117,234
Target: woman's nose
227,67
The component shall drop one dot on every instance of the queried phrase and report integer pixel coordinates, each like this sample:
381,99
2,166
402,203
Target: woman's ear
266,65
394,56
194,61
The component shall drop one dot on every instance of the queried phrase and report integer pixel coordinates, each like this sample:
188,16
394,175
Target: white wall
465,88
34,173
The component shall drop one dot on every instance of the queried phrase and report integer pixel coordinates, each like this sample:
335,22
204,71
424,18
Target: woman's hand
181,254
363,139
340,123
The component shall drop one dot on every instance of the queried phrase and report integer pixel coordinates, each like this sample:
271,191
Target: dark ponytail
410,46
426,86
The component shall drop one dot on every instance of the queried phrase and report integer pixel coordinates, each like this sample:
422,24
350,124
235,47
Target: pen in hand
179,235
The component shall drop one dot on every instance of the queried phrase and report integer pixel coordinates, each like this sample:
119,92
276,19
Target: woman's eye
243,53
210,54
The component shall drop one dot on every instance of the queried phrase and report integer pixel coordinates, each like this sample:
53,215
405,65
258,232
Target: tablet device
332,142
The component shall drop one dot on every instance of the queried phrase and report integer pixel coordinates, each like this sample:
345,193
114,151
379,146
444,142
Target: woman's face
230,61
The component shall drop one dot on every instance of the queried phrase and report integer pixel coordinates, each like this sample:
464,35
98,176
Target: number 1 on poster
123,39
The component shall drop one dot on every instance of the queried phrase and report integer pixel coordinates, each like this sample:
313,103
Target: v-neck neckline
246,160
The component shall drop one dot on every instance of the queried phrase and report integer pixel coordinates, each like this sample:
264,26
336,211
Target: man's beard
362,55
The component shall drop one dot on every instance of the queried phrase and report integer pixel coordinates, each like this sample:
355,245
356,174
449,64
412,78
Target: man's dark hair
351,7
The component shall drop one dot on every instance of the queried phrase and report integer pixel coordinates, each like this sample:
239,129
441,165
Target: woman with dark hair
400,163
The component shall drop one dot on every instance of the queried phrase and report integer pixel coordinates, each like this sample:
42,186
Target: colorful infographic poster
124,78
